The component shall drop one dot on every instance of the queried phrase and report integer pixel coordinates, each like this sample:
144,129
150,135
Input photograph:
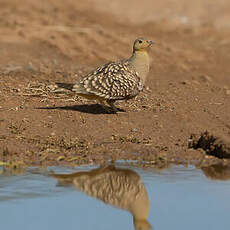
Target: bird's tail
68,86
77,88
65,179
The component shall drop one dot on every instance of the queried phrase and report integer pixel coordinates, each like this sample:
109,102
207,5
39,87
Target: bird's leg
111,103
106,108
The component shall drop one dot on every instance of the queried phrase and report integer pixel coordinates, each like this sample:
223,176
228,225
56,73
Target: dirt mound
212,145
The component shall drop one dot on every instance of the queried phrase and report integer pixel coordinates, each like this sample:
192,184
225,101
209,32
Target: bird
121,80
119,187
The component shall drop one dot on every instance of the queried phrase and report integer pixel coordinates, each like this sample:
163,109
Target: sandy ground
187,92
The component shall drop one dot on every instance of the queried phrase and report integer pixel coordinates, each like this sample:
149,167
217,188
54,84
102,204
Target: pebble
205,78
31,67
185,82
134,130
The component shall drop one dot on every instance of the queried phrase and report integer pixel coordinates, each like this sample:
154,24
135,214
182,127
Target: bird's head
142,44
141,224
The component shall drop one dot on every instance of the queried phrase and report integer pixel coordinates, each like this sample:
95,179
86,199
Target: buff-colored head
142,44
141,224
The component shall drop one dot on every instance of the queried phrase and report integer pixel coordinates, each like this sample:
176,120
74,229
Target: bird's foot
108,110
118,110
114,108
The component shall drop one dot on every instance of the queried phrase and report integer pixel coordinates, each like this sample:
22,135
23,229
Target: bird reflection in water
118,187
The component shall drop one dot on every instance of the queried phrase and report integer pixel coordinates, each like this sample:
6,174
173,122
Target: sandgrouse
120,80
119,187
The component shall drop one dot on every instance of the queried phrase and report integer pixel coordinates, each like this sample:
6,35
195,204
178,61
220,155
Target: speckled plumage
120,80
112,81
119,187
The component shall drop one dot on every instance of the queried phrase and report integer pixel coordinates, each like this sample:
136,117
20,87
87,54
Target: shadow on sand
91,109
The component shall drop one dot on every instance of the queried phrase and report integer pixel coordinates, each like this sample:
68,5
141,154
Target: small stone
185,82
60,158
31,67
134,130
53,87
206,78
228,91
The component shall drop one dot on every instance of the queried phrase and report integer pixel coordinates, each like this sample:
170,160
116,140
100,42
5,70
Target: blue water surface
180,198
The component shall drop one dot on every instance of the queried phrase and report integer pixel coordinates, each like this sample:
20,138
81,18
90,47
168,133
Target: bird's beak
150,42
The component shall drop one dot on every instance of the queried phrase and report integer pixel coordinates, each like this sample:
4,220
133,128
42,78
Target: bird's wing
115,80
116,188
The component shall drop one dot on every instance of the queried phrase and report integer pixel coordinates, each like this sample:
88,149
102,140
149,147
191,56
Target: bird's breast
140,62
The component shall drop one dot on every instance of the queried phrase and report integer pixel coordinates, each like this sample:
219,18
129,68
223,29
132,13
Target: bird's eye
140,41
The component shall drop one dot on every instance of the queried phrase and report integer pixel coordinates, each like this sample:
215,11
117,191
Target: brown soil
187,92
